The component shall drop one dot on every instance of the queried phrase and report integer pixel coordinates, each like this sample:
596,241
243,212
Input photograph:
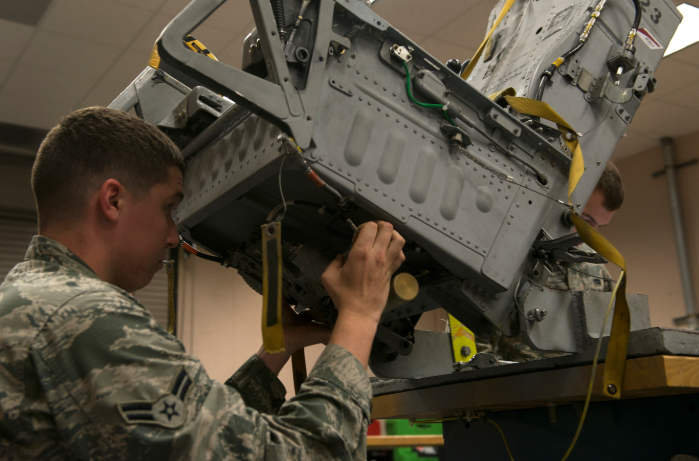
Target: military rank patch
167,410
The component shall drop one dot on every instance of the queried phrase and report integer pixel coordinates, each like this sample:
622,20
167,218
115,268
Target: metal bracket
480,361
397,343
401,53
572,70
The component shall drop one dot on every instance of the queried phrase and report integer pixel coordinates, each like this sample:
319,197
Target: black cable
637,18
542,85
573,50
548,73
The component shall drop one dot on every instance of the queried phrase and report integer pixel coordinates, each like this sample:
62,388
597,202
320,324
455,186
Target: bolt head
611,389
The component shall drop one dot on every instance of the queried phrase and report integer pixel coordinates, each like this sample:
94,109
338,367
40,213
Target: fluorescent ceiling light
688,32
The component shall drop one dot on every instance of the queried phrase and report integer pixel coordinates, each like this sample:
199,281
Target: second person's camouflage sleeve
258,386
122,388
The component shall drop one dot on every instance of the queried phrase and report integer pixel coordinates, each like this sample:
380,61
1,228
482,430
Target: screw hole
530,202
539,30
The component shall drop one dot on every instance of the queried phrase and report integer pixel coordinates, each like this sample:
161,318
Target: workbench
538,405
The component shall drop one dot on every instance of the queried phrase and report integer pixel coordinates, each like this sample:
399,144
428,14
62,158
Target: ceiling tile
673,75
127,67
32,111
20,33
469,28
5,68
689,55
23,11
69,55
686,97
656,118
35,82
444,51
234,15
149,5
233,54
103,94
214,39
427,17
147,37
96,20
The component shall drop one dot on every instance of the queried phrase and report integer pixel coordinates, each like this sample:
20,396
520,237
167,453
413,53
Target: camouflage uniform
572,277
87,373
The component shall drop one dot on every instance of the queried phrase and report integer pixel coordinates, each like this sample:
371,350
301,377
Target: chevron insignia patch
167,410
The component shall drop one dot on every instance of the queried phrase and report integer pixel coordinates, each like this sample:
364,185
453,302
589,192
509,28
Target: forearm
355,334
275,362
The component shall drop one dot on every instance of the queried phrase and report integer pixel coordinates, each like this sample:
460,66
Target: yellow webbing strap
272,329
570,137
170,270
477,56
191,42
621,322
195,45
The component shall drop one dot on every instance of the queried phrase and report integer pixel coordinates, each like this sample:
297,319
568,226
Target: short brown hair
611,187
90,146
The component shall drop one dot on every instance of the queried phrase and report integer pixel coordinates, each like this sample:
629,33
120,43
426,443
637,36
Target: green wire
448,118
422,104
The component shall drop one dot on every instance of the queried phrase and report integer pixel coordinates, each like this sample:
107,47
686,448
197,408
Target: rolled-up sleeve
258,386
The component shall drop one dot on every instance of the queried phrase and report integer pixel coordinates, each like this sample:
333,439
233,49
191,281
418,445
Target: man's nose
173,237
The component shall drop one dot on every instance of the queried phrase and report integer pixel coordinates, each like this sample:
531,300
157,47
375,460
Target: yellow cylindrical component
404,287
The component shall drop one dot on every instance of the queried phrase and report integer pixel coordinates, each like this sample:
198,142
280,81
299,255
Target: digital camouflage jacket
87,373
567,277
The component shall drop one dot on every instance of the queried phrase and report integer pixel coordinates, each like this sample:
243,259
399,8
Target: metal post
692,322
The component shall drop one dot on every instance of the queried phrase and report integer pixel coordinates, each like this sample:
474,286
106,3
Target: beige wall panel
642,229
219,320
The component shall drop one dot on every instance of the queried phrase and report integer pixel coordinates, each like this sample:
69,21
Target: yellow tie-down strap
479,52
172,319
462,340
621,322
272,329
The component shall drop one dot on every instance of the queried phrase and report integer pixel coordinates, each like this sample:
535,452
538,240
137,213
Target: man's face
147,232
595,214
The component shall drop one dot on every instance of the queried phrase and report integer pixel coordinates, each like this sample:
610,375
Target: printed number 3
656,17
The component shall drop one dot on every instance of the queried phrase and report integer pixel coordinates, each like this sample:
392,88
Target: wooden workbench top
643,377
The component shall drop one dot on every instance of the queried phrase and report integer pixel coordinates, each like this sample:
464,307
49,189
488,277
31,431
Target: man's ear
111,199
